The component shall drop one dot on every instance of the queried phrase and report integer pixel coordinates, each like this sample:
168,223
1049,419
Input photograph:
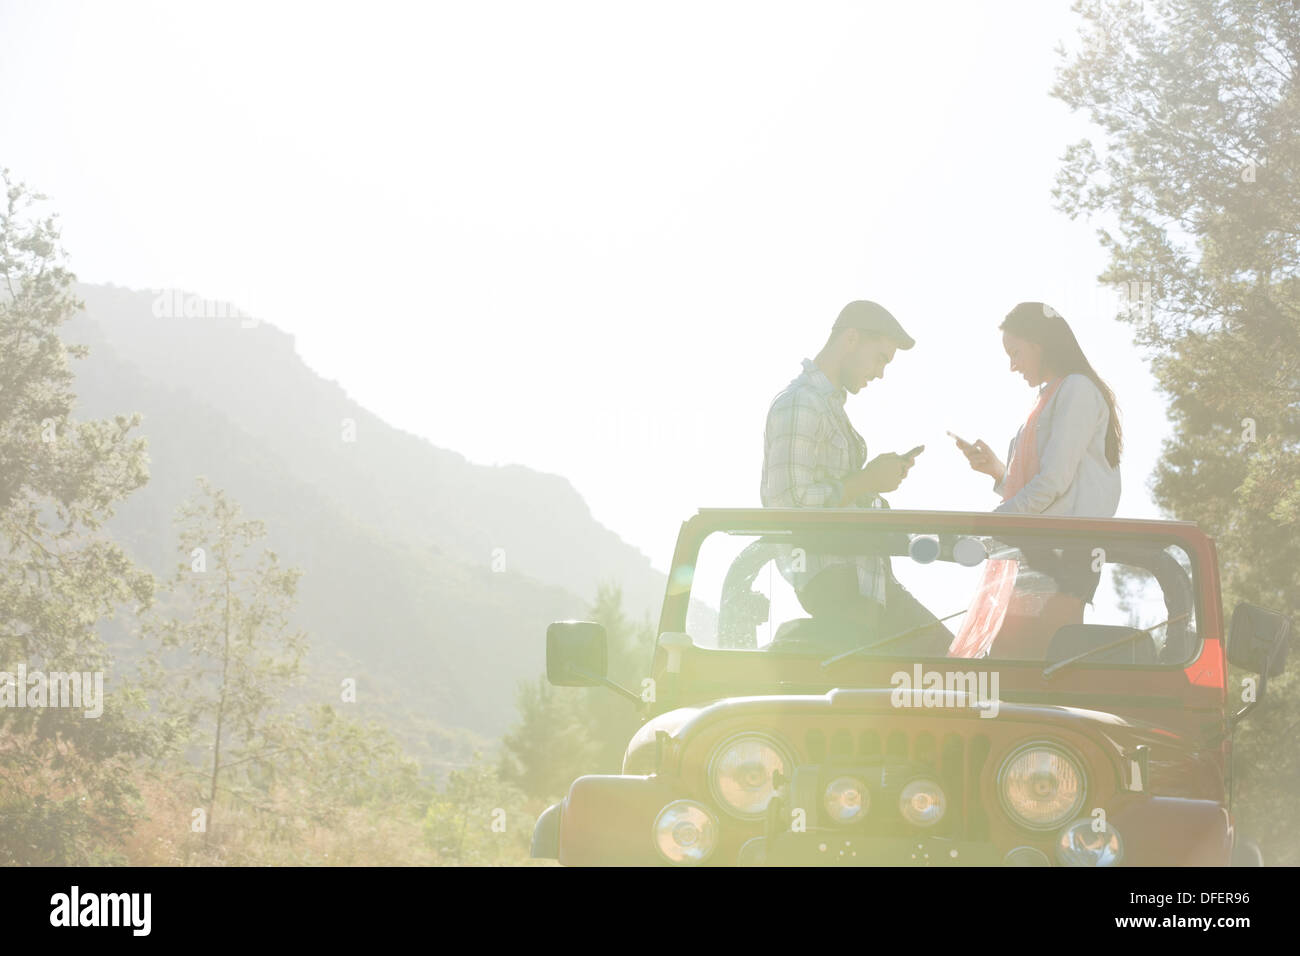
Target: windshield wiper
1126,639
893,637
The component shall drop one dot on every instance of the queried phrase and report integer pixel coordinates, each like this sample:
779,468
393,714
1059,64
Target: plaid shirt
809,448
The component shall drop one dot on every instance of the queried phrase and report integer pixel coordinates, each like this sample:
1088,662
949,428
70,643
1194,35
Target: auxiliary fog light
922,803
846,800
685,832
1080,845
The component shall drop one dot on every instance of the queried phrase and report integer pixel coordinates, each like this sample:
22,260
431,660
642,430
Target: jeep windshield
1051,596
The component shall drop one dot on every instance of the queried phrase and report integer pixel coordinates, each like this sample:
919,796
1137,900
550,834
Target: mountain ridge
396,537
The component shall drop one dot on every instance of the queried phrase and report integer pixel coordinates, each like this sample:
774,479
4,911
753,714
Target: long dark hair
1041,324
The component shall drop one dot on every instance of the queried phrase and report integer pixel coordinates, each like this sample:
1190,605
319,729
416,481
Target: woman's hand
982,459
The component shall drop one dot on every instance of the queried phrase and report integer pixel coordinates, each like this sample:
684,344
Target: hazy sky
592,239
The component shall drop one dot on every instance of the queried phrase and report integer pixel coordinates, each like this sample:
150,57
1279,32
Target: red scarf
989,607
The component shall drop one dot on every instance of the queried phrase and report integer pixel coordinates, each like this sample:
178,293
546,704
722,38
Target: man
814,458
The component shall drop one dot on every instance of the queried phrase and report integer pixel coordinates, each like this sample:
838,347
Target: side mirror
576,654
1258,639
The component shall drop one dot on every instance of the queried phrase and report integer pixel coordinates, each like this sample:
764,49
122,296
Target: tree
65,793
552,742
1196,186
477,818
565,732
613,719
340,762
227,650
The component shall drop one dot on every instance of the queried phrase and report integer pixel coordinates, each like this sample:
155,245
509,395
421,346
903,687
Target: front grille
955,761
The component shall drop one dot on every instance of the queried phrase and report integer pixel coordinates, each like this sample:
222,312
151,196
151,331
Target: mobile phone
914,452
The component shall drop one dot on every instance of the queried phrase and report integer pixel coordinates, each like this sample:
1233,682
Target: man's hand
883,473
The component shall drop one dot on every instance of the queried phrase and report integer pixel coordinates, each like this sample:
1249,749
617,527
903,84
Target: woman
1063,461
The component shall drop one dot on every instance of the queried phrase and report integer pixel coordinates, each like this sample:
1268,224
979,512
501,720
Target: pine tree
1197,187
564,732
613,719
552,742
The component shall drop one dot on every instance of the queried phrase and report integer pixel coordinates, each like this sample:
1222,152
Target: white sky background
592,239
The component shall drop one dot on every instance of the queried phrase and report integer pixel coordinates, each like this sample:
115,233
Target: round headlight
846,800
685,832
741,773
922,803
1081,845
1041,786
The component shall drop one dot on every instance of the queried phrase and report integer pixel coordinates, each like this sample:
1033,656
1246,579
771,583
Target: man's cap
873,317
